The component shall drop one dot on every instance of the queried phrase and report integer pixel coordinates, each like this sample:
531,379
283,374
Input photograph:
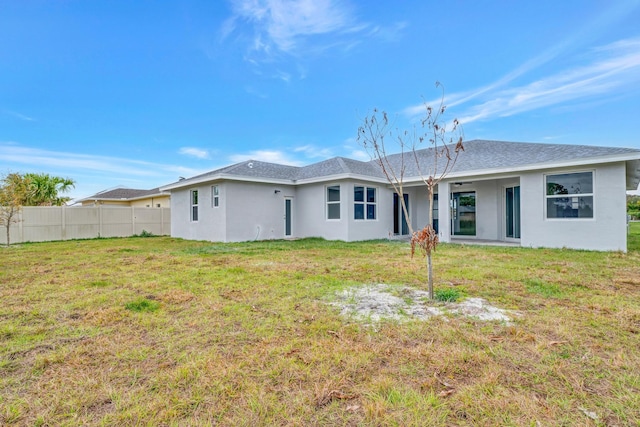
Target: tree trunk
429,265
430,275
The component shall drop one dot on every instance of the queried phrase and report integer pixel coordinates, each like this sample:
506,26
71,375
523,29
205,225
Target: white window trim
364,203
334,202
215,196
194,205
567,172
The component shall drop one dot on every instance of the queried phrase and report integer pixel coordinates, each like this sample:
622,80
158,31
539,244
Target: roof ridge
236,166
343,164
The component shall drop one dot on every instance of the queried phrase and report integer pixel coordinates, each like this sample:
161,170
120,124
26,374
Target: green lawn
162,331
633,242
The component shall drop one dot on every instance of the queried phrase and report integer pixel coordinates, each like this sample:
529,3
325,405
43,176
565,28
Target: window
333,202
215,196
570,195
364,206
194,205
436,211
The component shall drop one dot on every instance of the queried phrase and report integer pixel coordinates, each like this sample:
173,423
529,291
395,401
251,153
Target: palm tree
44,189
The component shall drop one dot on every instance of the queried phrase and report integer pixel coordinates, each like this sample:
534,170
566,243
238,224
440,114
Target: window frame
435,210
365,203
193,203
575,196
215,196
330,203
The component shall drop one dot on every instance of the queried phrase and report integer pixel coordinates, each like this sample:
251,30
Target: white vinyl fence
44,224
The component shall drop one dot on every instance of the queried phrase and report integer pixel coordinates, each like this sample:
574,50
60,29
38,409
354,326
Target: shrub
447,295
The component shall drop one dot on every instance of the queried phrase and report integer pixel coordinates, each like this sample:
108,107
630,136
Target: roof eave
121,199
341,176
538,166
148,196
224,177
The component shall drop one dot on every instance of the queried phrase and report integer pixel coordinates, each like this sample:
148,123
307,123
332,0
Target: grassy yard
161,331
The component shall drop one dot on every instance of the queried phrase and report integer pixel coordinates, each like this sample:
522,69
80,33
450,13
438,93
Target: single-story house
121,196
527,194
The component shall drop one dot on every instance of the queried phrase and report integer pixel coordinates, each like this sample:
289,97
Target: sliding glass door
512,212
463,213
400,225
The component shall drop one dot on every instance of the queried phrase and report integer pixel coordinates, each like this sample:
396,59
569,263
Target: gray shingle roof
482,155
338,166
123,193
478,155
252,169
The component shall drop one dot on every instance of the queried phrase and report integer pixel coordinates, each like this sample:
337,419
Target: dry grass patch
242,334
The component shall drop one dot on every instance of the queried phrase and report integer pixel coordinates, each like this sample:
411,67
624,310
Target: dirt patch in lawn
376,302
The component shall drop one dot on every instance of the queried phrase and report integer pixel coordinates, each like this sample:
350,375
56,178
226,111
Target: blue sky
138,93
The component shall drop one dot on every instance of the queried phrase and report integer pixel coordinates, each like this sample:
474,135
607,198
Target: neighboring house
534,195
129,197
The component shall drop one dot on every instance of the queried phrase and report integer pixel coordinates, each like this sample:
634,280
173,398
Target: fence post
100,232
20,226
63,231
133,221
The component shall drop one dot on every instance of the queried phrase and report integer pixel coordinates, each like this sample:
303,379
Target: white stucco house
528,194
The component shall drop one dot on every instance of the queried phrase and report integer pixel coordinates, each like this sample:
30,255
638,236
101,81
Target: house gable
128,197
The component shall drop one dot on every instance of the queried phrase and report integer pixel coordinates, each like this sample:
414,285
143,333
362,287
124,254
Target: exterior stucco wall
605,231
251,211
379,228
444,211
211,224
420,198
310,213
310,210
255,211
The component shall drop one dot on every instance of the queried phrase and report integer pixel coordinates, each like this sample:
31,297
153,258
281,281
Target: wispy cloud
276,30
360,155
390,33
283,24
19,115
313,152
609,71
92,173
195,152
20,157
296,156
271,156
251,90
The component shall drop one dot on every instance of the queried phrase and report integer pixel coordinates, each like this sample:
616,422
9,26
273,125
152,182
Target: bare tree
431,146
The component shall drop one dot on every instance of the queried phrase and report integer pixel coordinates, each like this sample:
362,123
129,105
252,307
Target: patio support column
444,211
